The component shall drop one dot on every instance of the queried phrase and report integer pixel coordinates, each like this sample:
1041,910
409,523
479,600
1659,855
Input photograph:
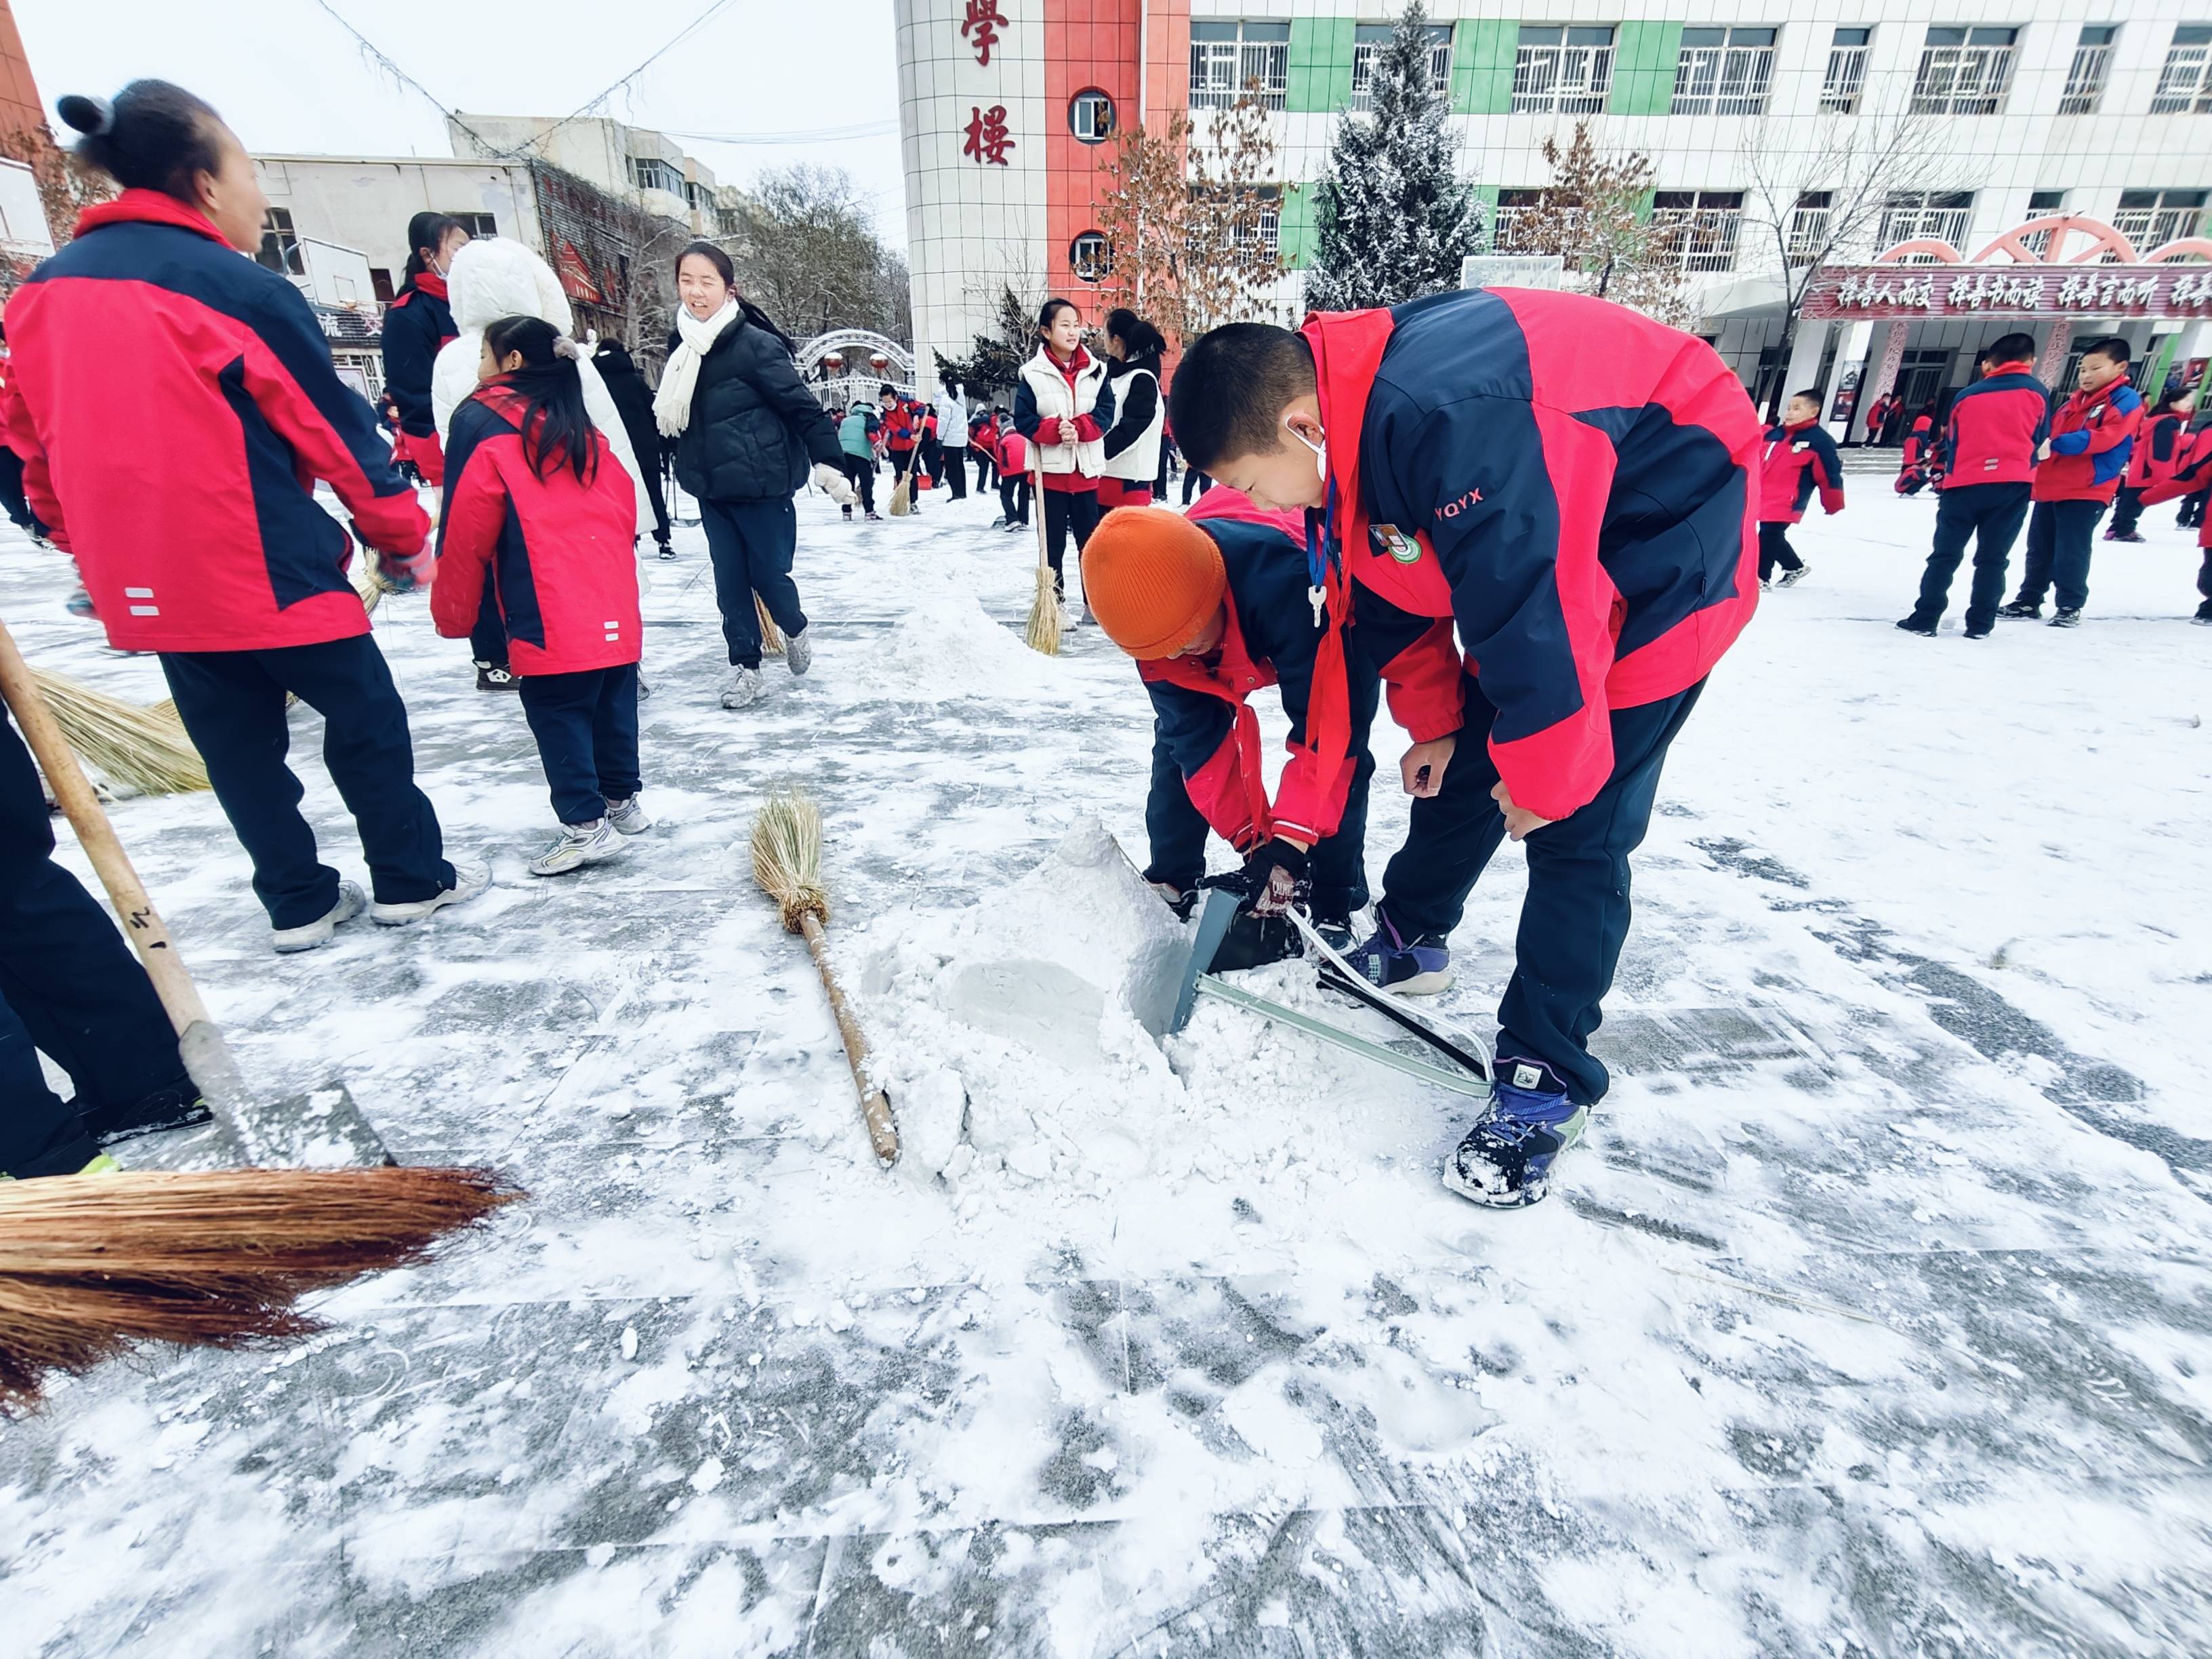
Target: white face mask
1320,450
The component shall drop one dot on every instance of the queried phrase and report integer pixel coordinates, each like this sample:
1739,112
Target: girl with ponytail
539,515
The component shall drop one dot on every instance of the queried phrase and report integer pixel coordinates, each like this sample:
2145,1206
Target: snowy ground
1876,1319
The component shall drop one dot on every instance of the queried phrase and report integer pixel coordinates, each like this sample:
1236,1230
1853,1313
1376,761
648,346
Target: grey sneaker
579,844
798,652
305,937
742,687
628,816
469,880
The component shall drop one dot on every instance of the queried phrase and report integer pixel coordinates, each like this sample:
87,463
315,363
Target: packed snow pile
945,646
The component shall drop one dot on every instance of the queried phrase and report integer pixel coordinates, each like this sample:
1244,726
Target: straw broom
771,635
1043,632
368,581
92,1265
131,745
788,865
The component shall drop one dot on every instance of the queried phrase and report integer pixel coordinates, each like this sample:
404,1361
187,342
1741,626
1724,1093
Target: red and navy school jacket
175,404
1571,482
1994,427
2158,448
898,428
2191,471
417,324
2092,437
1200,708
557,550
1916,442
1794,462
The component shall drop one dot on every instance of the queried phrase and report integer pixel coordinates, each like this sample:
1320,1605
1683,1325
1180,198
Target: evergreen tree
1393,220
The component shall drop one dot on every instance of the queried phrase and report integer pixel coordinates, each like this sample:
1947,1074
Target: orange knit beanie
1152,579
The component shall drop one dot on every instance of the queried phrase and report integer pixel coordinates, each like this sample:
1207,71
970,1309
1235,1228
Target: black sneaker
667,552
2022,608
1979,633
177,1107
1505,1161
497,677
2066,616
1335,932
1914,625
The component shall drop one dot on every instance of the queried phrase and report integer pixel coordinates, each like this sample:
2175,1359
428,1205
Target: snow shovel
322,1126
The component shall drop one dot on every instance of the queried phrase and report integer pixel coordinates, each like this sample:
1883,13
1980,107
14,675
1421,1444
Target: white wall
365,205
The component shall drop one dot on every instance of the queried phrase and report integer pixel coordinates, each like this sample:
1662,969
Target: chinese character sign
2084,291
987,141
982,27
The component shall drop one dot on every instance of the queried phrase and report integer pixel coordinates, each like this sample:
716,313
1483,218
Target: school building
2045,108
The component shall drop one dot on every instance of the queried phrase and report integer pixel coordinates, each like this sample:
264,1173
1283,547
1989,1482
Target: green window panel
1295,228
1320,65
1482,66
1643,61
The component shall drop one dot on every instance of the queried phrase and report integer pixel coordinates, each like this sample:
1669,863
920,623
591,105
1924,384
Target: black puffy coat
633,401
755,428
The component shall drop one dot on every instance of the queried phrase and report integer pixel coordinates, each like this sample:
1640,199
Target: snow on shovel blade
321,1129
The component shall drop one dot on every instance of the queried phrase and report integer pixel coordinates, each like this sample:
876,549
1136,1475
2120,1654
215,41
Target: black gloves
1275,878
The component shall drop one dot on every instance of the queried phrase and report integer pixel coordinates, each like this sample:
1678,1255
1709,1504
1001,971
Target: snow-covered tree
1393,220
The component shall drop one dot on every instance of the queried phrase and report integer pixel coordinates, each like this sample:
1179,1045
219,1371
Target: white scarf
672,404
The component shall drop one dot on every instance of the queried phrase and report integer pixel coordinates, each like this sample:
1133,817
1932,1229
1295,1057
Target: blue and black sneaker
1505,1162
1413,967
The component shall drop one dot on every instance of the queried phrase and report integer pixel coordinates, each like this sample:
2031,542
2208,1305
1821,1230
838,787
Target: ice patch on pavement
945,646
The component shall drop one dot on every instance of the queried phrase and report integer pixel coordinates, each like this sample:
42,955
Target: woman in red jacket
207,545
2158,450
538,511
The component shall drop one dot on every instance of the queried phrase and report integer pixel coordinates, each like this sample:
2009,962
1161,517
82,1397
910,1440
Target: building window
651,172
1371,41
2041,204
1089,256
280,244
2184,88
1846,75
1964,72
1091,116
1807,236
478,225
2152,218
1912,215
1512,225
1562,71
2085,80
1230,60
379,284
1723,71
1704,223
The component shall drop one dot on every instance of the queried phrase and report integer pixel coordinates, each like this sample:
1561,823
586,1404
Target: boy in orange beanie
1212,607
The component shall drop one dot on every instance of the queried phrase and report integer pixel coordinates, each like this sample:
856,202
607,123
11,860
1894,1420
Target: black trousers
984,470
69,987
586,724
487,639
2192,510
752,544
1989,515
2059,537
11,493
657,495
1575,916
1192,477
931,459
2204,583
1014,497
232,706
860,473
1774,549
1178,830
955,471
1066,511
2127,510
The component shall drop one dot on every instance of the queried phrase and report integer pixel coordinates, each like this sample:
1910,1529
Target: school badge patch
1388,539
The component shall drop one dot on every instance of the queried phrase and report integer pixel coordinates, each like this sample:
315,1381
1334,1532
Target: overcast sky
289,78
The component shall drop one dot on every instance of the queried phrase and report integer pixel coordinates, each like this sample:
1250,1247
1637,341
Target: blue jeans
233,707
751,545
586,725
1575,918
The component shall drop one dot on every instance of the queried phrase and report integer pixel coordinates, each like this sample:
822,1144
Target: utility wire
378,55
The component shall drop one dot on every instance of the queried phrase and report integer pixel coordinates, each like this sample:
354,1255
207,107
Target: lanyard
1319,559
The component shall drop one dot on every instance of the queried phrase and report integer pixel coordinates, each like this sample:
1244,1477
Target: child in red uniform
2191,474
2081,465
2157,450
1799,458
538,507
1917,471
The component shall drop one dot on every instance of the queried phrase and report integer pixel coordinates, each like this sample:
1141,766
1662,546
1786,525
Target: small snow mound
945,646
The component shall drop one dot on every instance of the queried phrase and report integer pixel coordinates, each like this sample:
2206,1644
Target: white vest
1050,389
1140,462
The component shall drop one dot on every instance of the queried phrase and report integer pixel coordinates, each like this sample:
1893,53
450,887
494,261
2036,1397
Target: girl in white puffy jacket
490,278
1063,403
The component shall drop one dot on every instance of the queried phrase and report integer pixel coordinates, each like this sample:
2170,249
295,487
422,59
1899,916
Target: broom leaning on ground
368,581
788,865
92,1265
142,748
1043,631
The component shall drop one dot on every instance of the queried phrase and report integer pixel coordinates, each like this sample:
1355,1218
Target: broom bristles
140,747
1044,633
91,1265
771,635
787,856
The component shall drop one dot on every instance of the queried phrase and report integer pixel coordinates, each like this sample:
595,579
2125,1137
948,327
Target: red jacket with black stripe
1796,461
2158,449
557,550
174,405
1574,485
1994,428
2190,472
1200,705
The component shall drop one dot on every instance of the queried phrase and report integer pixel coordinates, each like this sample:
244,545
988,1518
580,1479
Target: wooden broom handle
142,922
1037,511
875,1108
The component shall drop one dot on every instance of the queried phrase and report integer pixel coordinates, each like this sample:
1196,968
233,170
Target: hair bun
93,116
